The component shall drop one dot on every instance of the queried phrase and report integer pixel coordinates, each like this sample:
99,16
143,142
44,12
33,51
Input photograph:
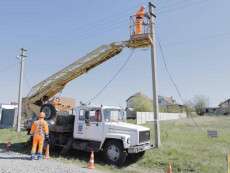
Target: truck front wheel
114,153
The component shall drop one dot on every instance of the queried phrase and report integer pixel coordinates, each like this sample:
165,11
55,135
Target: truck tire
114,153
49,110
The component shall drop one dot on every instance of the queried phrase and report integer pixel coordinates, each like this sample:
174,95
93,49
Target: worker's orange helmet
42,115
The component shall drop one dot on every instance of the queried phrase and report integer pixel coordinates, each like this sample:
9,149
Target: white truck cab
105,128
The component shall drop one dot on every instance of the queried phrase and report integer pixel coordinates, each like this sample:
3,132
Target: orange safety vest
139,21
39,127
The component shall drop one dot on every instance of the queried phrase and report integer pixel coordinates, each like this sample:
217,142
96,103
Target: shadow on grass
16,147
25,148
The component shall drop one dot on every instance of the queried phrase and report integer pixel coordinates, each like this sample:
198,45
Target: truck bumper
140,148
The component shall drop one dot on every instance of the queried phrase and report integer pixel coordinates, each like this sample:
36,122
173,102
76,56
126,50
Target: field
184,143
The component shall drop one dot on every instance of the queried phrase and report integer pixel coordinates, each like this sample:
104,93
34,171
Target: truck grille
144,136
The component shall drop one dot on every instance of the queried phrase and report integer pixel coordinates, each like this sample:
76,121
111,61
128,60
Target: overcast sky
195,36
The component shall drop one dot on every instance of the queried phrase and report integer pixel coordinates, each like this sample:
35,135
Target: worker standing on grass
40,132
139,20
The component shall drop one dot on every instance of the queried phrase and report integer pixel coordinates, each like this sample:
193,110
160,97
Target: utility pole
21,57
152,18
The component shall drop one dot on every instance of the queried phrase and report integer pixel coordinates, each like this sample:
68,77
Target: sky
194,34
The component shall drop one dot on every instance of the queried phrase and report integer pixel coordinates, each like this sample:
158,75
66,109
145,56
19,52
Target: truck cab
103,128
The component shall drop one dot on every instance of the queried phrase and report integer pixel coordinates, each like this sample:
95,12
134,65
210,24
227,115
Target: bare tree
189,107
200,102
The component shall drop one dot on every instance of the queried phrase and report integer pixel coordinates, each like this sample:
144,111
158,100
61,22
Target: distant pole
21,57
154,75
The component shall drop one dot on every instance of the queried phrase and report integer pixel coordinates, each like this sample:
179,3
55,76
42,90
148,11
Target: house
211,110
166,104
165,101
225,107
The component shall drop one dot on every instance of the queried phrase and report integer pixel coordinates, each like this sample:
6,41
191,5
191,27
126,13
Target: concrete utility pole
21,58
154,75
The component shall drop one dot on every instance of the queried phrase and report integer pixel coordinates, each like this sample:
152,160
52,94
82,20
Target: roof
7,106
221,103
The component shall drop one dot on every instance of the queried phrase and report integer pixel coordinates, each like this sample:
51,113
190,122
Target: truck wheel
49,110
114,153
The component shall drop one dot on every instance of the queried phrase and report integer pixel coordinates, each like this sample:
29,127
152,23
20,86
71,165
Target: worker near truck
40,133
139,20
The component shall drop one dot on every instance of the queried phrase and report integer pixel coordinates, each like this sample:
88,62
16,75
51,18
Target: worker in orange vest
40,132
139,20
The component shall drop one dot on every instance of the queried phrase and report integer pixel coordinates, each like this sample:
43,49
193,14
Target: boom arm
55,83
49,87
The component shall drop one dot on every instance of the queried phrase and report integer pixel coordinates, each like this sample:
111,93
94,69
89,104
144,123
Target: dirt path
11,162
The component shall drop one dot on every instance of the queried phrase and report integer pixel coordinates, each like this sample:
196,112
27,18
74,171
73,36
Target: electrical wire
199,39
113,78
108,23
173,81
167,70
182,6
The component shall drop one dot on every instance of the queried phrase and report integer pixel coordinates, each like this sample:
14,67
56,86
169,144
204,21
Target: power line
119,19
173,81
113,78
183,6
167,70
199,39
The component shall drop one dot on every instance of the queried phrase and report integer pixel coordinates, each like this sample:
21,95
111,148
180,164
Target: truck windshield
113,115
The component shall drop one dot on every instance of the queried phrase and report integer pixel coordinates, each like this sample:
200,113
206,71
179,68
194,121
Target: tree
141,103
189,107
200,102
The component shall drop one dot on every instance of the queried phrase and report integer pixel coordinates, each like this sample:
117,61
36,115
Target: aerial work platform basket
140,32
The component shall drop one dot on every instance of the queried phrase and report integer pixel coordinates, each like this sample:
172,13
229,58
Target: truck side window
92,116
81,115
87,116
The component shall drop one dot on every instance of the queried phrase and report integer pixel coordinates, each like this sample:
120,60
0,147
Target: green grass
184,144
188,147
17,140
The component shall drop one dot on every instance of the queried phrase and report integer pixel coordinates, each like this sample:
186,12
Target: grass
188,147
183,143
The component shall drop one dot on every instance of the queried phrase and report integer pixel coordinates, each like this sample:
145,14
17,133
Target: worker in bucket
40,133
139,20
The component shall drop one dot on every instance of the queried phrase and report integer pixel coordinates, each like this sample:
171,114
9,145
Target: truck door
88,125
79,124
93,125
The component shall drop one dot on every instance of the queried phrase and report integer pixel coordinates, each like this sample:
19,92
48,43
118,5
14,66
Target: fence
144,117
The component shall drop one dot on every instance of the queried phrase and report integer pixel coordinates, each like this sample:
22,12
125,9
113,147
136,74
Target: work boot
39,156
32,157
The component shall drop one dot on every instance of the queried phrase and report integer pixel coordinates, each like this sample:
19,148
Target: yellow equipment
41,93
